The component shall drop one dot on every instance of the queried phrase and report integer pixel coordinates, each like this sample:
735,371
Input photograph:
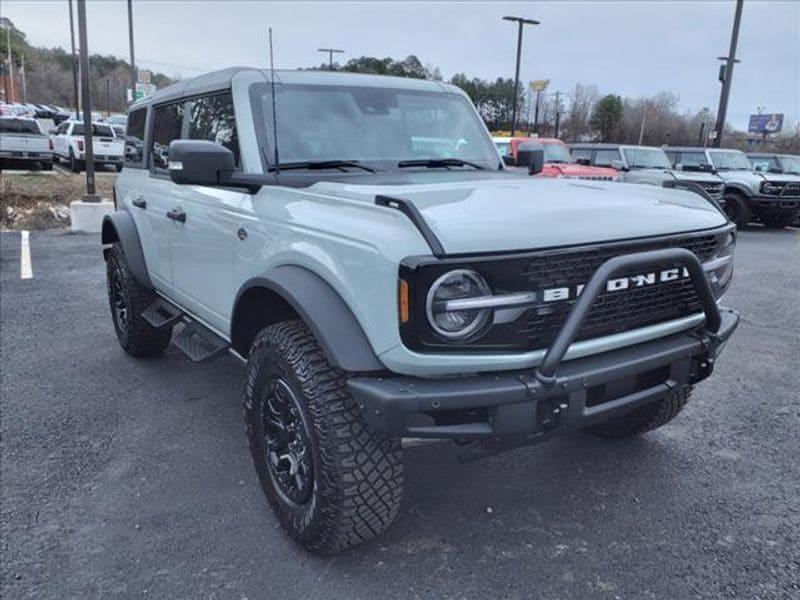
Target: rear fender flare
120,227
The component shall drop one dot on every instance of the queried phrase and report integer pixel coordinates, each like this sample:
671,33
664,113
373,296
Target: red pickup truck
557,159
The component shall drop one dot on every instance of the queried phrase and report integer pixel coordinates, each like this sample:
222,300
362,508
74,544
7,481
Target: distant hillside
49,74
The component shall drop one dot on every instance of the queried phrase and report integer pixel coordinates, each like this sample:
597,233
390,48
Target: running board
162,314
199,343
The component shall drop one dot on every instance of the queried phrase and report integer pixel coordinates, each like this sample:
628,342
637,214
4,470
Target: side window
604,158
693,159
62,129
167,122
585,153
134,138
211,118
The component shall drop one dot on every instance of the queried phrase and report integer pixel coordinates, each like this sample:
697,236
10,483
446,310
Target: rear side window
167,124
212,118
134,138
603,158
98,130
585,153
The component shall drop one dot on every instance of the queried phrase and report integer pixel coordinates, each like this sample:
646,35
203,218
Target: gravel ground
126,478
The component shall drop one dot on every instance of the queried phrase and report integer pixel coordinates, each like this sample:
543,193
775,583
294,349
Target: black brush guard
512,408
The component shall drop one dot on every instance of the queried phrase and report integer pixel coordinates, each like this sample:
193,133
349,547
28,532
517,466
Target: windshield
646,158
730,160
791,164
378,126
98,130
19,126
556,153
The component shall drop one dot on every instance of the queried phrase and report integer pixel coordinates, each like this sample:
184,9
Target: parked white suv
68,145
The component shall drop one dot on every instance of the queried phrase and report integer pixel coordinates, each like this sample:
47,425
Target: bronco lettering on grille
619,284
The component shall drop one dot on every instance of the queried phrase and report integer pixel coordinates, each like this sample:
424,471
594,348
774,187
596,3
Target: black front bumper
557,394
585,391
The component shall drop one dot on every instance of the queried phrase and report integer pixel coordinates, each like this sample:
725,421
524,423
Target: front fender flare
738,187
330,319
120,227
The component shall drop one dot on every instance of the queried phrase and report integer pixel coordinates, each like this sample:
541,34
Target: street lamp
726,76
520,22
330,52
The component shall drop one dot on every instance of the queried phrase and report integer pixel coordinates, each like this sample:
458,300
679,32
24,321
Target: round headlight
445,318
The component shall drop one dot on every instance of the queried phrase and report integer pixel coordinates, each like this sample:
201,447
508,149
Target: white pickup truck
22,140
68,145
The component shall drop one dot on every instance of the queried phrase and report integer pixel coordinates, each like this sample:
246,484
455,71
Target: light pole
91,195
74,61
520,22
330,52
134,76
726,75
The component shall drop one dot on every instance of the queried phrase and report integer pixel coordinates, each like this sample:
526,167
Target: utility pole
24,79
134,75
701,135
558,113
74,61
330,52
726,75
536,113
520,22
91,195
10,64
644,120
108,97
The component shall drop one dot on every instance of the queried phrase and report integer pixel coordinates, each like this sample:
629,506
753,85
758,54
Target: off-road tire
738,209
357,475
644,419
136,336
778,221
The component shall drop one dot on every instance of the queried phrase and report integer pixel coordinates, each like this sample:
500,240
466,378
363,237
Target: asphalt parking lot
126,478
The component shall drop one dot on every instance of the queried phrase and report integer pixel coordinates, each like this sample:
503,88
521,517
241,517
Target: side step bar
162,314
195,340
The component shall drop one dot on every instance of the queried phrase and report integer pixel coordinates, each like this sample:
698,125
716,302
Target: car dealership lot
126,478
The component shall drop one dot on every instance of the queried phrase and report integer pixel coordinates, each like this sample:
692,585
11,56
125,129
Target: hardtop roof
222,79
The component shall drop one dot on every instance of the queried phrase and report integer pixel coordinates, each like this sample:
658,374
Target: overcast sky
629,48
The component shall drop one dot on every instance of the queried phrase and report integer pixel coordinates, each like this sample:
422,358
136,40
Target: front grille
612,312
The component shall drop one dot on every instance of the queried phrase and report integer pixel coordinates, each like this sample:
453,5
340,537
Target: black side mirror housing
531,156
508,160
198,162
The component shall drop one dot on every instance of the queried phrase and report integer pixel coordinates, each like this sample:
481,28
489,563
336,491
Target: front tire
644,419
330,481
738,209
127,299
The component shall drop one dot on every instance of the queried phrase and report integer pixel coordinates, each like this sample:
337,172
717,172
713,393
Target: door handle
176,214
139,202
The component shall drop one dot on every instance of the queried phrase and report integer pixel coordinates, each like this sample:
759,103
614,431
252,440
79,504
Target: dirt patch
38,201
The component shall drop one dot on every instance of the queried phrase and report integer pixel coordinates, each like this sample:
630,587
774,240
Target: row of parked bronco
754,187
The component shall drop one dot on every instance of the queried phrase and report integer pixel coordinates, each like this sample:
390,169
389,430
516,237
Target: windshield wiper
322,164
433,163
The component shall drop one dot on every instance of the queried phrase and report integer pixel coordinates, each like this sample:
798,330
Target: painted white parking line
27,172
25,266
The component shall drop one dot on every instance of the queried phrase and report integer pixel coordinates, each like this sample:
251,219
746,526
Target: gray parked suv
773,199
645,164
357,242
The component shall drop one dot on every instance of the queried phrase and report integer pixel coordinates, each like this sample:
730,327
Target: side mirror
618,165
199,162
586,162
757,168
531,156
508,160
678,167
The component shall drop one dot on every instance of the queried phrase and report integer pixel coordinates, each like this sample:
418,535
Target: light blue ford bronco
357,242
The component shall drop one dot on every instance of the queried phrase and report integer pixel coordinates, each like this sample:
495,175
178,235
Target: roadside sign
143,90
539,85
712,135
144,76
765,123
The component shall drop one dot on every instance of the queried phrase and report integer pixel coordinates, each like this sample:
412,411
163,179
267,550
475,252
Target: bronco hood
508,213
